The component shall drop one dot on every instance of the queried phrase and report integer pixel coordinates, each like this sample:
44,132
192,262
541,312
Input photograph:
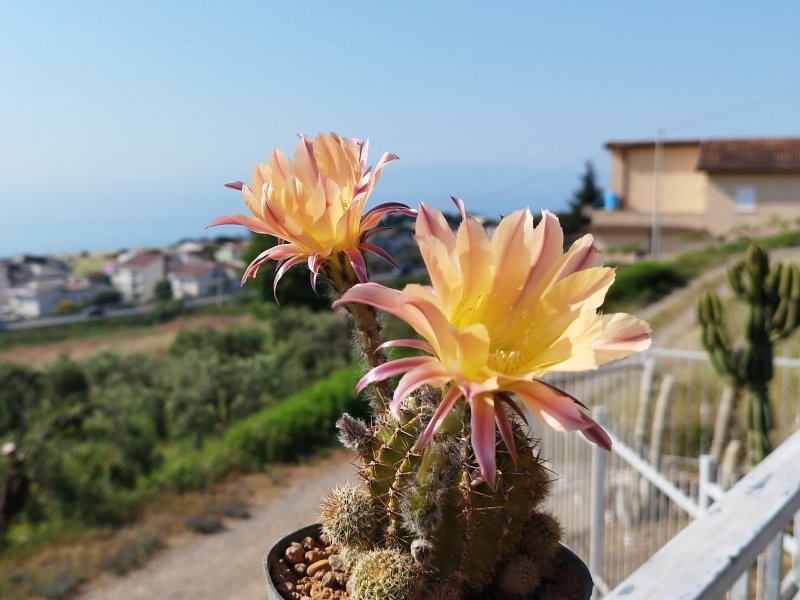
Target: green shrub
234,341
66,382
646,281
106,297
284,432
297,426
65,307
21,393
186,469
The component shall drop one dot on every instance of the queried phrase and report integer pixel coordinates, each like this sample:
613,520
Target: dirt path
227,566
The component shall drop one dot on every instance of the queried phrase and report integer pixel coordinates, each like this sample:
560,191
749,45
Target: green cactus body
773,295
480,527
387,574
388,463
434,504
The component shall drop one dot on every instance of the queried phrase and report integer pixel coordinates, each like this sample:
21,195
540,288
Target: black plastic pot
572,567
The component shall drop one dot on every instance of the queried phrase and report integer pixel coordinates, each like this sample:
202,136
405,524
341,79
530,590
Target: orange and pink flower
314,205
499,315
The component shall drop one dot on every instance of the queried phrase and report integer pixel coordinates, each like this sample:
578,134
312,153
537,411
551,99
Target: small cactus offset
451,503
773,297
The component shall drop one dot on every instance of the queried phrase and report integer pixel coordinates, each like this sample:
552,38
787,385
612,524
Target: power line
733,109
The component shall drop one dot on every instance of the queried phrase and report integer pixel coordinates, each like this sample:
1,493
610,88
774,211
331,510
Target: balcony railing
658,507
714,555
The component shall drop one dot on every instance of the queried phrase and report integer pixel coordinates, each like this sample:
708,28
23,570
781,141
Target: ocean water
57,221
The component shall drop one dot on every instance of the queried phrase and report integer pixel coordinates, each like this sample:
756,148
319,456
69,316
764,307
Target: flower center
506,361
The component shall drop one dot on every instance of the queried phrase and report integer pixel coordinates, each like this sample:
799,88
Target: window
746,200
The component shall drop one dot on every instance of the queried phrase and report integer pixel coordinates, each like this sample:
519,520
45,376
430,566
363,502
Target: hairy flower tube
314,205
499,315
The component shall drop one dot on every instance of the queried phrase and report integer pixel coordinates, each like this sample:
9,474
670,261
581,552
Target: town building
697,190
136,277
197,279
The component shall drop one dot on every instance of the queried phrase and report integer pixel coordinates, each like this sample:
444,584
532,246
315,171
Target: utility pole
655,233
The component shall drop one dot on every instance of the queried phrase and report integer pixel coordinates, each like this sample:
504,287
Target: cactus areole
452,499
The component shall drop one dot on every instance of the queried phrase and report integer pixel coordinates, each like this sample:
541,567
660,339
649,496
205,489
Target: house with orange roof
694,190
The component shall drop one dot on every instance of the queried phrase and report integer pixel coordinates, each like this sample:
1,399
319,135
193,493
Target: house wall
197,286
682,187
31,302
138,283
777,196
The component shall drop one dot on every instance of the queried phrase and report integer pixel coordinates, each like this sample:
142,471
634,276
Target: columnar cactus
773,297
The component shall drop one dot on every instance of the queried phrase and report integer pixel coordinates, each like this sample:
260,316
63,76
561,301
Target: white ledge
705,559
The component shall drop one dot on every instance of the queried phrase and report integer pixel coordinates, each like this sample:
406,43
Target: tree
65,307
294,288
106,297
163,291
589,195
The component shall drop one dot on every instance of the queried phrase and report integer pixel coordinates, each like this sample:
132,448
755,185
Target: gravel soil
227,565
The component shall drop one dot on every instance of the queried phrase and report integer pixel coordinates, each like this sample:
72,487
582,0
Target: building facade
698,190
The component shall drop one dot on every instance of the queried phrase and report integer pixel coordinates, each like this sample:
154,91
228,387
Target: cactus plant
773,298
451,503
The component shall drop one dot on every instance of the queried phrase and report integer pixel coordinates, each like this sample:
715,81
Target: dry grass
150,340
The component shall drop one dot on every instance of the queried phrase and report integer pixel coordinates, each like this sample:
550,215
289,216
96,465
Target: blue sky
120,121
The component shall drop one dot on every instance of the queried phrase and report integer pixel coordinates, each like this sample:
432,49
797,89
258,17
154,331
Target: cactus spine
773,297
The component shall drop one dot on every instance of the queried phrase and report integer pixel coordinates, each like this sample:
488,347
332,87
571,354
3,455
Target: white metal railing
713,556
618,509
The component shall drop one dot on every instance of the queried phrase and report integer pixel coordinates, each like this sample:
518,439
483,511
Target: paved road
227,566
113,313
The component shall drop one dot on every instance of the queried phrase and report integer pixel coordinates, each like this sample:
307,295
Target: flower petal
251,223
622,335
378,251
358,264
408,343
373,216
282,270
445,406
506,432
483,437
551,405
430,372
389,369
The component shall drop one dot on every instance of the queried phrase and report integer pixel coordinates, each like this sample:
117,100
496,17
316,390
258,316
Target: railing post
708,470
772,571
597,507
741,589
796,555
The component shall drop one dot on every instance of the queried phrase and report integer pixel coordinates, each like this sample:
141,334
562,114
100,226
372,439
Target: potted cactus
452,503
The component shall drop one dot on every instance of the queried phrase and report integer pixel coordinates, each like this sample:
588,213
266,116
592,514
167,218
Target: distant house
196,279
232,252
36,298
137,276
707,189
5,282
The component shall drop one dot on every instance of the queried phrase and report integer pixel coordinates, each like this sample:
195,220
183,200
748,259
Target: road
113,313
227,566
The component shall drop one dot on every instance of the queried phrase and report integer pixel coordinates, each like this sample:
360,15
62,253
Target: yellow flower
314,205
499,315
